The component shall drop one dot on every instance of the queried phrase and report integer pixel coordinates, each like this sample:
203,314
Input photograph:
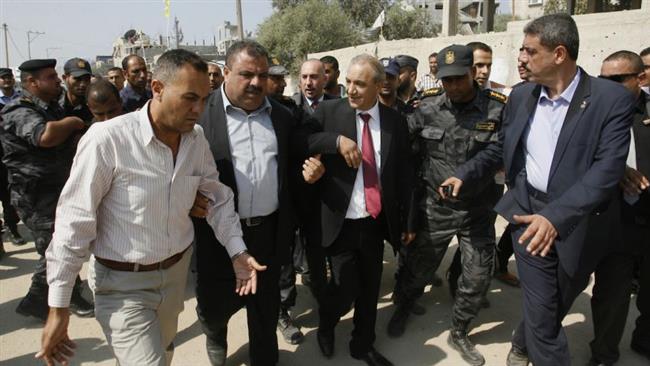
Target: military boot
459,341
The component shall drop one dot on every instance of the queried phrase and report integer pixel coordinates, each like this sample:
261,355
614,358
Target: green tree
401,23
364,12
284,4
313,26
560,6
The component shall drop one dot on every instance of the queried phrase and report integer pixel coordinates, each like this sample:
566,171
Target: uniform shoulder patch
26,100
432,92
497,96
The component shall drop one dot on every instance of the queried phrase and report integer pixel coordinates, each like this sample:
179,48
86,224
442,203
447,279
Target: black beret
34,65
406,60
5,71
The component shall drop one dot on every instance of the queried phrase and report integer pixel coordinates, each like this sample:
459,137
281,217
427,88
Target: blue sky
85,28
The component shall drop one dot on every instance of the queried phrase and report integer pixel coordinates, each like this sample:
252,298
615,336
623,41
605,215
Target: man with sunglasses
613,277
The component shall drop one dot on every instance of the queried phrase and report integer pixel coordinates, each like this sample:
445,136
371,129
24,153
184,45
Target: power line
11,38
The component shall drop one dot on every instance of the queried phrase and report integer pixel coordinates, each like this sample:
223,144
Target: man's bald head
103,100
312,79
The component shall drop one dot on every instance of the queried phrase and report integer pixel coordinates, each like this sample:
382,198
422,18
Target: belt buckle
252,221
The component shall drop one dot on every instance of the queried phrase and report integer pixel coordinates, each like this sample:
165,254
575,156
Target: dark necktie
314,105
370,178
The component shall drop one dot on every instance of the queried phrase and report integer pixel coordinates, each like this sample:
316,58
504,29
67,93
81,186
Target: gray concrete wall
600,35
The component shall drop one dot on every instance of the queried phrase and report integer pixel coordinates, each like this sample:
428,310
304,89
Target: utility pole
176,35
240,23
4,27
30,40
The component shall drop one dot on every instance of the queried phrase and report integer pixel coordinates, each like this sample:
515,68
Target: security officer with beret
76,76
276,85
8,91
450,127
388,91
408,75
38,150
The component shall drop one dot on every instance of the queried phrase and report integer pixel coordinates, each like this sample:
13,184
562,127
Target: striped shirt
127,200
428,81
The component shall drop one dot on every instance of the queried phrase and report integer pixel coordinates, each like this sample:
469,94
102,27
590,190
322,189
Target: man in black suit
565,138
360,204
249,138
613,278
312,86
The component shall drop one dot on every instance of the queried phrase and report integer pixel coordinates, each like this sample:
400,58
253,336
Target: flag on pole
379,22
167,6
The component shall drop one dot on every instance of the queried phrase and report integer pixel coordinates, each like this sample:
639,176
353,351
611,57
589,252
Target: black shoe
326,343
32,306
459,341
373,358
640,349
596,362
397,322
15,237
517,357
216,353
290,331
80,306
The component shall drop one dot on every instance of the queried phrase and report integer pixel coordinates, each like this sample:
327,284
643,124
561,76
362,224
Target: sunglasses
618,78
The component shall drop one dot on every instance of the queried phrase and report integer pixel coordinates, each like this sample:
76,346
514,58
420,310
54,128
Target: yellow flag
167,8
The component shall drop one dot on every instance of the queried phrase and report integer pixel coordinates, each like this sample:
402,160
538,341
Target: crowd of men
213,160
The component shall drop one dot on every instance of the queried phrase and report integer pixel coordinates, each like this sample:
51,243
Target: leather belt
537,194
136,267
256,221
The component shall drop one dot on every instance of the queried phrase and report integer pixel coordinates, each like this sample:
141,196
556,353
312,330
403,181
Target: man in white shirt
127,202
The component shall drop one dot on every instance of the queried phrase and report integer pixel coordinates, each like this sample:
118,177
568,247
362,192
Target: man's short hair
331,60
629,56
377,67
251,48
645,52
115,68
125,61
101,90
479,46
171,61
556,30
433,55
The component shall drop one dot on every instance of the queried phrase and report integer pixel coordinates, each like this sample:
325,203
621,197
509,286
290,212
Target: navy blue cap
37,64
455,60
77,67
390,65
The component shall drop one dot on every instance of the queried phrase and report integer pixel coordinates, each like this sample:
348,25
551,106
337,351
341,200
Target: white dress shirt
357,206
543,131
126,200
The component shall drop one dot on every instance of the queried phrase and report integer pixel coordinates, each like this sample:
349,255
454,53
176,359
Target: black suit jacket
336,117
307,110
213,121
588,162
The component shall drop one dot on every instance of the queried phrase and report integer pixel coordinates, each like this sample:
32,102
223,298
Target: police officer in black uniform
449,128
76,76
38,143
408,74
275,87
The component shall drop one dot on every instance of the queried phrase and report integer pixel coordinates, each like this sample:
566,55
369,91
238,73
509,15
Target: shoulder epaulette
27,100
432,92
497,96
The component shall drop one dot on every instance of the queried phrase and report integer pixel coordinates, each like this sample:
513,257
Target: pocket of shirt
432,139
185,189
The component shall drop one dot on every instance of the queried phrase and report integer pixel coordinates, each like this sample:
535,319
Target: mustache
253,89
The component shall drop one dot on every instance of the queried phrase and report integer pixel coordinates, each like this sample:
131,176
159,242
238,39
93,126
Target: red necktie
370,178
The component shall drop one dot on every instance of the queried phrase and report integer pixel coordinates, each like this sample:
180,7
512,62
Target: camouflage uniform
36,175
444,138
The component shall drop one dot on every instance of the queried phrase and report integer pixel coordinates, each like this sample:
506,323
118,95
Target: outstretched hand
246,268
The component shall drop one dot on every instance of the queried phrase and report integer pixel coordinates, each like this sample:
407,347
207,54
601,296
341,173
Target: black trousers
216,297
8,211
548,293
611,294
356,264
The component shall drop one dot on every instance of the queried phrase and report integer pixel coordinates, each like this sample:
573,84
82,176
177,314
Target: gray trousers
138,311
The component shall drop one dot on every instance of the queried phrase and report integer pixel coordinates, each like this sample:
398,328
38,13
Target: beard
404,87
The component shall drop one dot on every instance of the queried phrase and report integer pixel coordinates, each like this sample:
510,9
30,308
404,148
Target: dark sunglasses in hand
618,78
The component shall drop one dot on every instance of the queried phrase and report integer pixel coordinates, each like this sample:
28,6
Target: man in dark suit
565,138
613,277
360,204
249,138
312,84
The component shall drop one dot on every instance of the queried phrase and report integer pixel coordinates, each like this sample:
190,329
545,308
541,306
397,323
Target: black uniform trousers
217,300
548,293
8,211
611,294
356,259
